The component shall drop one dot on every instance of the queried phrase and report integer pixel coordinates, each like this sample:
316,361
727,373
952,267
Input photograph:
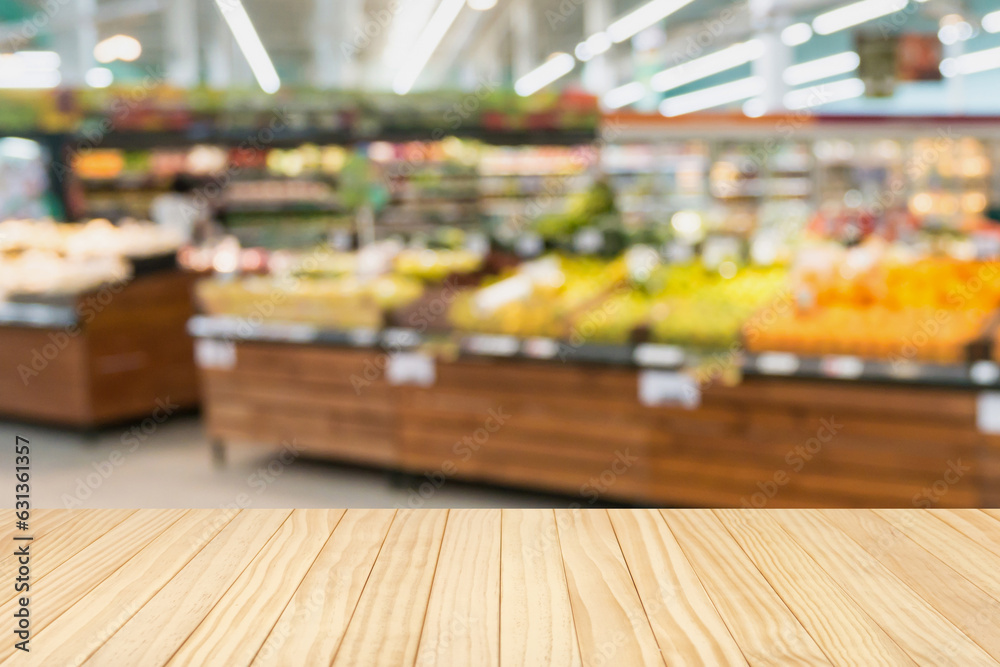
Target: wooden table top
511,587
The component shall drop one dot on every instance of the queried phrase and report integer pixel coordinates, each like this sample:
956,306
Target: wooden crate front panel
790,443
567,429
57,388
140,353
307,395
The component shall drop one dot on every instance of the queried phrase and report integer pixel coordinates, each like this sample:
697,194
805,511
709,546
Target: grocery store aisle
171,466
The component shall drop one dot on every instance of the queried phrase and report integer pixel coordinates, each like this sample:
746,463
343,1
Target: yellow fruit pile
336,303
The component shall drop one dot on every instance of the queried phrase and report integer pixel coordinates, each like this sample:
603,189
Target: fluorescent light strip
558,65
971,63
637,21
30,80
435,30
253,50
822,68
824,93
855,14
991,22
594,45
713,97
796,34
621,96
720,61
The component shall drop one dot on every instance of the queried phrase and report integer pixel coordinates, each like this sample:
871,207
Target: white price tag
650,354
362,337
214,353
667,388
844,367
401,337
984,372
294,333
494,346
411,368
540,348
988,412
777,363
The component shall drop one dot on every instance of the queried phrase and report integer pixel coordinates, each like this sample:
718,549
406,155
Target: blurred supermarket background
613,251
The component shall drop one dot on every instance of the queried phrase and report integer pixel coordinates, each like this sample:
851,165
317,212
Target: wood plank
765,628
385,627
236,628
686,624
925,634
611,623
536,616
71,638
462,626
163,624
962,602
41,522
969,558
826,611
64,542
71,581
313,622
974,524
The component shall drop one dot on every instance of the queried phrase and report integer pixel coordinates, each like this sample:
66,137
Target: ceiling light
642,18
699,68
99,77
754,108
713,97
117,47
558,64
826,93
971,63
594,45
241,26
32,60
797,33
29,80
991,22
482,5
855,14
622,96
441,20
821,68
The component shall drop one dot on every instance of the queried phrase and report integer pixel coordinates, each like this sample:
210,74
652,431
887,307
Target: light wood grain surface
512,587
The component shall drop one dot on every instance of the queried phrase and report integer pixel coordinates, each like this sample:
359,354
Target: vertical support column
524,38
598,75
181,35
219,54
768,24
338,43
80,38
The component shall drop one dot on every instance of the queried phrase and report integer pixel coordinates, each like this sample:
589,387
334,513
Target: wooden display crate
128,354
580,430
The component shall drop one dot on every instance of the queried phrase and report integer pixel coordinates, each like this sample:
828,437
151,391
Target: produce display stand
111,355
835,432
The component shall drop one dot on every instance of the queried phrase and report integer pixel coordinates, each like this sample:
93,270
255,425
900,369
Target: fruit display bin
114,354
608,423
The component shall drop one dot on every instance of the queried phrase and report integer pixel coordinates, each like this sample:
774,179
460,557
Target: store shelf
837,368
40,315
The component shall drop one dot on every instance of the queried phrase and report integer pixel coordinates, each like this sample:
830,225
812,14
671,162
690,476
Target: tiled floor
172,467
